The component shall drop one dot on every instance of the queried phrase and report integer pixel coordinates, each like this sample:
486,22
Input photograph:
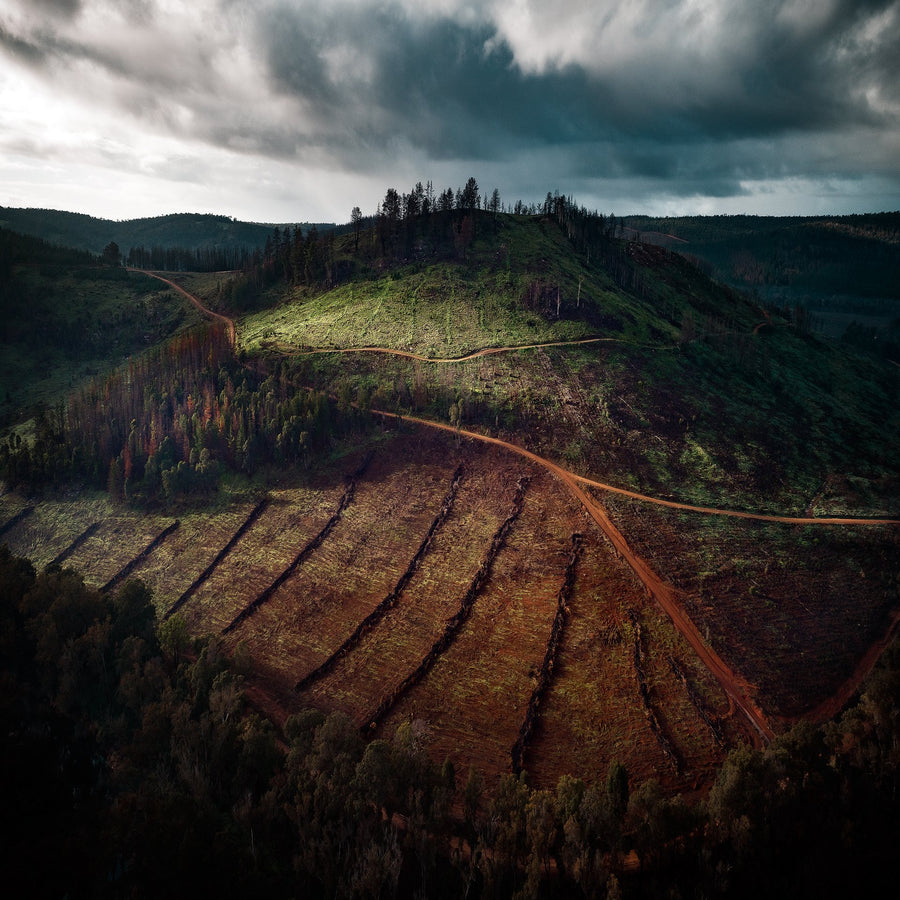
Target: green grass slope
696,393
518,283
64,319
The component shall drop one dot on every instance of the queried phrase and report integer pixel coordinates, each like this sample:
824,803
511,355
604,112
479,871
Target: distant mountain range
187,230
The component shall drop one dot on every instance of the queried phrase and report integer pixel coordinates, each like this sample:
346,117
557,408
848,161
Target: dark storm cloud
435,84
799,76
26,50
700,96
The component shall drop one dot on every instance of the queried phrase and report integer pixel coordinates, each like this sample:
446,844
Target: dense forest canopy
185,230
134,761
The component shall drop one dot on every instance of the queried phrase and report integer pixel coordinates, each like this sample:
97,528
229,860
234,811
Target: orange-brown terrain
521,614
457,552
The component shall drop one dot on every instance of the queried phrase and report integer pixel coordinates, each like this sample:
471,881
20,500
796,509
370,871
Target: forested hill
22,248
854,256
182,230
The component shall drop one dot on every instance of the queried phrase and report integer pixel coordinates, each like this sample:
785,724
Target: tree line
188,259
422,223
21,249
405,225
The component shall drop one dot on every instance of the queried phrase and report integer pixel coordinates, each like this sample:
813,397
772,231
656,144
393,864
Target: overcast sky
297,110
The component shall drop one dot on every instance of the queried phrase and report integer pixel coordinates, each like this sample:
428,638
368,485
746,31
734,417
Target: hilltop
692,390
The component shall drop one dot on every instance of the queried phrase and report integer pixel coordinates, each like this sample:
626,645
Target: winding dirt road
735,513
737,688
477,354
218,317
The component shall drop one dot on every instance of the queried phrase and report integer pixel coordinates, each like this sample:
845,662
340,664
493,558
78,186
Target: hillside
64,319
843,269
178,230
690,390
503,492
637,373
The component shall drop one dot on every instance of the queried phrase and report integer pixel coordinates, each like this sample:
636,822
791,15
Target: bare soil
701,630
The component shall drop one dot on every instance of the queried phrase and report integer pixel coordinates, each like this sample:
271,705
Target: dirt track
734,513
737,689
229,323
830,707
477,354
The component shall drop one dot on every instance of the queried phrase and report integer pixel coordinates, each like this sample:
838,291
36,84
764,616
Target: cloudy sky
287,110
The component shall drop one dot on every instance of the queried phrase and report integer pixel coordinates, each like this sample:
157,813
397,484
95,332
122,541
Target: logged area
434,505
418,580
550,503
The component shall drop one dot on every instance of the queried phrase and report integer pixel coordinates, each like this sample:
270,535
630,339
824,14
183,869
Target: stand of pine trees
169,422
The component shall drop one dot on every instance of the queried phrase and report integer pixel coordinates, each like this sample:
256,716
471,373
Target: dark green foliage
407,228
64,317
16,249
194,233
855,255
111,255
828,271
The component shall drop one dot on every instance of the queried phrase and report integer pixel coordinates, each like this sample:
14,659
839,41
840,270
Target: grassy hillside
694,392
519,282
63,319
441,307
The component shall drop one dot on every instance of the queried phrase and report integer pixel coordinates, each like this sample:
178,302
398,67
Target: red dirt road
229,323
734,513
830,707
737,689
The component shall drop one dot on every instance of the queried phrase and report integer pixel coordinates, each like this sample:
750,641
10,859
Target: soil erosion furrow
458,620
697,702
312,544
245,526
736,687
665,743
520,748
391,599
129,567
18,517
61,557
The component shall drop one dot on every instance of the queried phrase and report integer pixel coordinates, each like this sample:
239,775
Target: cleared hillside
400,573
691,390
